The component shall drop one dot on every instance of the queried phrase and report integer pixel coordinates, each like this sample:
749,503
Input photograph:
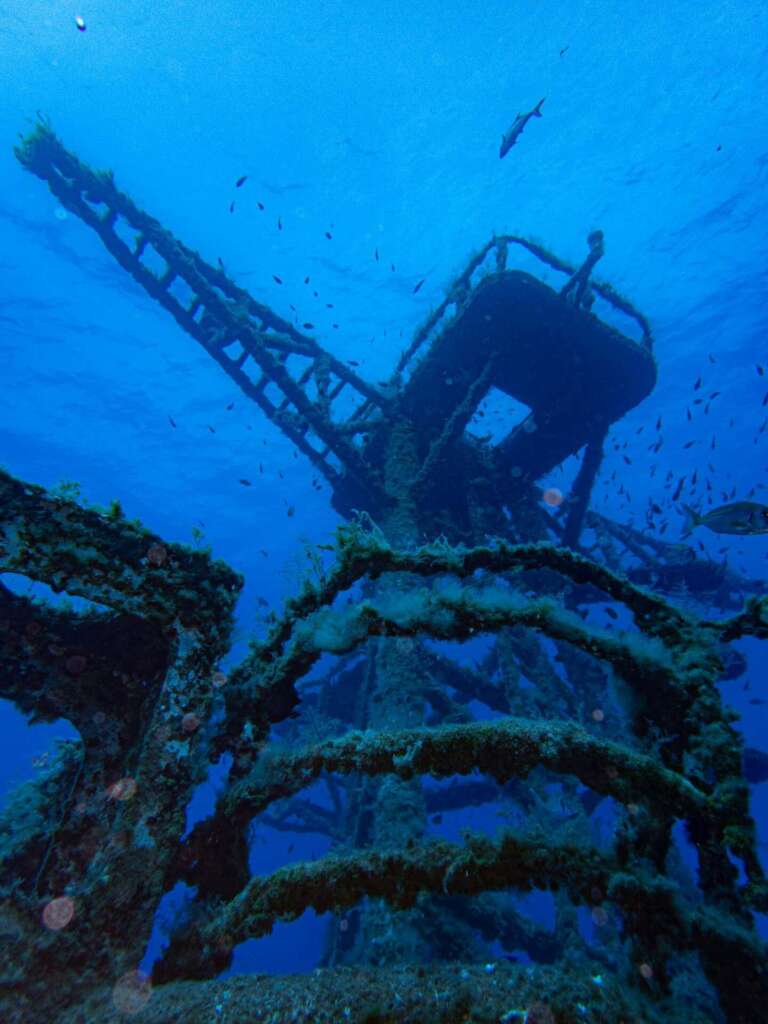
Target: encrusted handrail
459,289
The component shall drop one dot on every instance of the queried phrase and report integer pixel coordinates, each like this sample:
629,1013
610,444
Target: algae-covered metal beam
102,556
296,383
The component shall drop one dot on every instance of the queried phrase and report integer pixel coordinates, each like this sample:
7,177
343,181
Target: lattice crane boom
293,380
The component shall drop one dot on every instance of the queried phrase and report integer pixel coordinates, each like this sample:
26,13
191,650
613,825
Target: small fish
376,255
328,235
760,370
307,326
688,444
290,511
421,282
230,407
80,22
260,205
325,547
277,279
306,280
611,612
353,362
172,421
232,206
211,429
564,50
510,138
220,261
697,385
241,181
263,553
658,423
757,700
688,414
279,224
244,482
746,518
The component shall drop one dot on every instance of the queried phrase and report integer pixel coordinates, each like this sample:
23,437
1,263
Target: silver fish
510,138
739,517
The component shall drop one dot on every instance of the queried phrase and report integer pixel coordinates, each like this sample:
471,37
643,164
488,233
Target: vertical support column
397,702
582,489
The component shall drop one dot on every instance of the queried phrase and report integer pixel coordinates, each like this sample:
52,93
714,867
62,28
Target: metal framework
336,418
294,381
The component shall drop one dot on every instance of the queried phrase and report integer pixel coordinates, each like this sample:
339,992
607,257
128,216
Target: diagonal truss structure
302,388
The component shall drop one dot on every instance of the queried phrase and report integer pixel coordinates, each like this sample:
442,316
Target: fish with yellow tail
744,518
510,138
